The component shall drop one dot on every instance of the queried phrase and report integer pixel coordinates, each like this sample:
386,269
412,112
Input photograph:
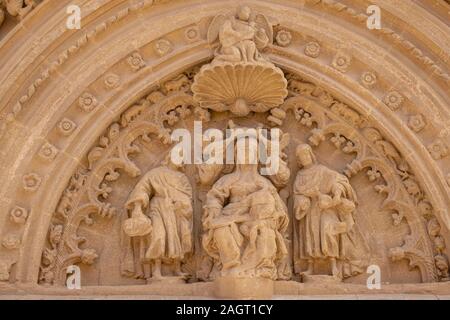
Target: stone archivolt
375,192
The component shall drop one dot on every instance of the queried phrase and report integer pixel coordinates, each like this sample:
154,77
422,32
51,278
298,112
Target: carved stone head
244,13
305,155
172,164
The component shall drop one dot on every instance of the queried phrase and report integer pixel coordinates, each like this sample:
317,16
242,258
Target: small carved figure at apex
240,36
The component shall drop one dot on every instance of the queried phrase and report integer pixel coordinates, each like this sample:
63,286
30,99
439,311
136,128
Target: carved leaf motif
94,155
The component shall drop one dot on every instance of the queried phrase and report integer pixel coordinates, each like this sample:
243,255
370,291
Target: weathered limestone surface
86,118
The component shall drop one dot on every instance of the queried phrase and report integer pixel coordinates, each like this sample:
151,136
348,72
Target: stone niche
361,139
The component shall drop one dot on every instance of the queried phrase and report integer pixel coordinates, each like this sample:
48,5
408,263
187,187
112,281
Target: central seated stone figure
244,222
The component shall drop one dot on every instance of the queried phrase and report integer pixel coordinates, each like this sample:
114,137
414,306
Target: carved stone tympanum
347,190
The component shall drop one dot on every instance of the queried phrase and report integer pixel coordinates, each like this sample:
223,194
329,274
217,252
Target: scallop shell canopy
261,86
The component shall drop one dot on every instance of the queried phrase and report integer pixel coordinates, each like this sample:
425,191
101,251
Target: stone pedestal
320,279
243,288
167,280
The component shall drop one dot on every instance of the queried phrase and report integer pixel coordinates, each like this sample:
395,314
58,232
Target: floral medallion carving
136,62
66,126
87,102
341,61
31,182
393,100
312,49
18,215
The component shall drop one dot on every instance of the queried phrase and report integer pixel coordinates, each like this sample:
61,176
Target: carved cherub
16,8
240,36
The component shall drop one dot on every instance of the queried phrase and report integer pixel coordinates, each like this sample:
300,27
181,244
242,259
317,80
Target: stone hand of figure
336,200
325,201
303,204
210,214
183,209
314,192
137,211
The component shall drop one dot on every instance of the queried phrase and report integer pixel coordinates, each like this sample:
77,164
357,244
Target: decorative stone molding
136,61
64,56
397,38
87,102
283,38
112,81
368,79
438,149
66,126
192,34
